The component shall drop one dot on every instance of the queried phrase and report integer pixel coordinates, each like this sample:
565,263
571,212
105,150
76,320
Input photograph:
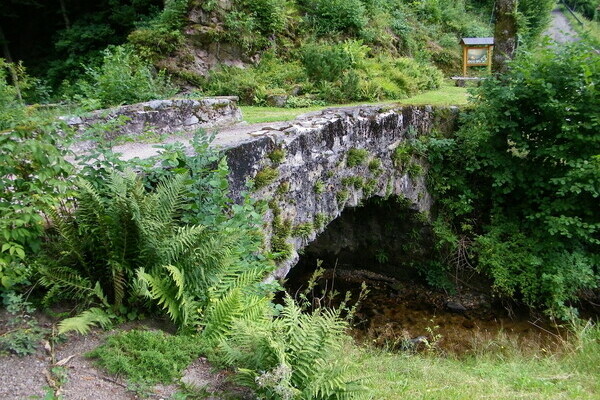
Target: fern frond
85,321
65,279
184,240
169,293
221,314
168,198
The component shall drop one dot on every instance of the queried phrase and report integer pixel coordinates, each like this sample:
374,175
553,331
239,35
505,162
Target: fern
85,321
169,292
302,355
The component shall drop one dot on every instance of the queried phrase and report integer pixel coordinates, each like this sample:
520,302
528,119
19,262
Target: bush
328,62
269,15
530,150
123,78
34,177
253,83
330,16
536,16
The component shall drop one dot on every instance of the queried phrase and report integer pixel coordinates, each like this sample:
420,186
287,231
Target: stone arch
312,169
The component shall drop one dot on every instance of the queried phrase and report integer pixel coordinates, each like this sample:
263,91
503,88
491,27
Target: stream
408,315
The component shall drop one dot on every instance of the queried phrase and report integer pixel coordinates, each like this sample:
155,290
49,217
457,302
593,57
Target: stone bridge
308,170
311,169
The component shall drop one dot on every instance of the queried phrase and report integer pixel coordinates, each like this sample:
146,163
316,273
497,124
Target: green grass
446,95
499,370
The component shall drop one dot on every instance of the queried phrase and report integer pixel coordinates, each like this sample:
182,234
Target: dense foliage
526,167
33,176
589,8
121,78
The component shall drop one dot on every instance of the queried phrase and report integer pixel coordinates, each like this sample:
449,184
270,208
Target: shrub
34,176
269,15
586,7
530,144
328,62
122,78
329,16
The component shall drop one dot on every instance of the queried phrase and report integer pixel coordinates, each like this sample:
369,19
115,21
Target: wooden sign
477,52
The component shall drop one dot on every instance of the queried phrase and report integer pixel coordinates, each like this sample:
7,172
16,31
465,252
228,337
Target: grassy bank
446,95
498,367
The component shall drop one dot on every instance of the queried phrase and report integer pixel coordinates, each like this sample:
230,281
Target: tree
505,34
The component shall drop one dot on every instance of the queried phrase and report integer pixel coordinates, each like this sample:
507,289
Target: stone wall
314,180
162,116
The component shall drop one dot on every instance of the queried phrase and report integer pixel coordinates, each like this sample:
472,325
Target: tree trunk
63,10
9,60
505,34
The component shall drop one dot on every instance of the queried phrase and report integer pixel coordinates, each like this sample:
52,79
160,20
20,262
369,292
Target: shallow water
393,313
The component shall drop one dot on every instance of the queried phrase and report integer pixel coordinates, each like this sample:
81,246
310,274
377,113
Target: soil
29,377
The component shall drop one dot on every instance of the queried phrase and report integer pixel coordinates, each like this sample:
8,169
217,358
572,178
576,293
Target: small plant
432,343
414,170
319,187
353,181
381,256
283,188
277,156
303,230
342,196
401,156
24,334
264,177
356,157
329,174
375,166
369,187
282,230
319,221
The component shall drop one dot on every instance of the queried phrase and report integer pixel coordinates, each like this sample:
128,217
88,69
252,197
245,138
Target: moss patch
265,177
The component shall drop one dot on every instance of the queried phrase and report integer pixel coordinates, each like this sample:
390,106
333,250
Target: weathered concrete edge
159,117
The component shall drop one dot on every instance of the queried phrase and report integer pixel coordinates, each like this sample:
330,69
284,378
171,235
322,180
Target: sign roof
481,41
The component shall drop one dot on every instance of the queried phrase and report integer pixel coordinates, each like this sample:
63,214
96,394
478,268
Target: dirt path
560,30
31,377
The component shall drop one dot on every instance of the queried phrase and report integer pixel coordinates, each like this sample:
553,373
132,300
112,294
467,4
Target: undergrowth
147,357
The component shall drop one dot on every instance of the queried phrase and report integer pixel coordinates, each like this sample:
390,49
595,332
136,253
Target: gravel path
560,30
